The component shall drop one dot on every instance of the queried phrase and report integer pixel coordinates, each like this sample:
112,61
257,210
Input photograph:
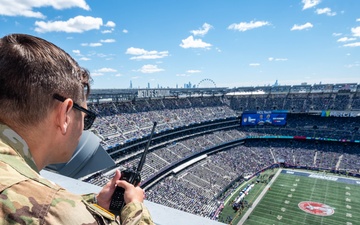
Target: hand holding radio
131,177
131,194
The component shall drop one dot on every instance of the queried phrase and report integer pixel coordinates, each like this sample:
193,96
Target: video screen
252,118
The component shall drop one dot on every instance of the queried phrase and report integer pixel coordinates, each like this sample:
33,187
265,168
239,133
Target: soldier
43,111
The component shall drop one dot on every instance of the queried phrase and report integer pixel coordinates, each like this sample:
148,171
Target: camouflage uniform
28,198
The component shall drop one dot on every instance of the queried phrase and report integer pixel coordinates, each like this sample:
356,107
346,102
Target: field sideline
297,197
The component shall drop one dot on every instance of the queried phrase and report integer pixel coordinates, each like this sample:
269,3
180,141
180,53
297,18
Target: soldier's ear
63,115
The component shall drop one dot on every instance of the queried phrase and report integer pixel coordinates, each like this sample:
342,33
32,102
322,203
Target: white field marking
295,185
348,193
348,199
283,209
249,211
348,215
290,195
279,217
297,180
347,188
286,202
348,223
292,189
348,206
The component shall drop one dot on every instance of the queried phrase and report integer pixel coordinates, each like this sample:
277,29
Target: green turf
229,212
280,204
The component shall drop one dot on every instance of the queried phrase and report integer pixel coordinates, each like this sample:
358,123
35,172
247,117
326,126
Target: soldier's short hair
32,70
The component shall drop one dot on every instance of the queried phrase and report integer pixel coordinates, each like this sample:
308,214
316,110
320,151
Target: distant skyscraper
188,85
130,84
149,85
276,83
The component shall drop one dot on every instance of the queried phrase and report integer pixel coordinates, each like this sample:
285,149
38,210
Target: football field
298,197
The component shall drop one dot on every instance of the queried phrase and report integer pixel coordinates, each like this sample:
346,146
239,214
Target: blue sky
168,42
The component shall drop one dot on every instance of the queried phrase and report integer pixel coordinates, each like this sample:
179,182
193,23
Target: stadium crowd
196,188
296,102
205,179
119,122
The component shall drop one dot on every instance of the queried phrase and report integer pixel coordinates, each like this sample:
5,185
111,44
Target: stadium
210,143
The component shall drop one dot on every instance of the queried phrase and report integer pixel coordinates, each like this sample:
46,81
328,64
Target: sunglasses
89,117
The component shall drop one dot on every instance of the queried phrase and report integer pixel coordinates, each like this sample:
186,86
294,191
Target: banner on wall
329,113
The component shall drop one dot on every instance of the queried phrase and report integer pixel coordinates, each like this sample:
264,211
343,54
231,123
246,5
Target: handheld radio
132,176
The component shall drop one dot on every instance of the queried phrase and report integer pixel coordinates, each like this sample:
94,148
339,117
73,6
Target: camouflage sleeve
135,213
67,208
30,202
89,198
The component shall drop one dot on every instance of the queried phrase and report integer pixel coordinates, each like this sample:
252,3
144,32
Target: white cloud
25,7
326,11
96,74
355,44
190,42
356,64
277,59
110,24
125,31
77,24
84,59
346,39
356,31
310,3
106,70
144,54
358,20
150,69
302,27
107,31
108,41
76,52
193,71
91,44
118,75
254,64
182,75
202,31
244,26
337,34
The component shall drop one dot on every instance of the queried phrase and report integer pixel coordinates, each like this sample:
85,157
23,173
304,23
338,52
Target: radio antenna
143,157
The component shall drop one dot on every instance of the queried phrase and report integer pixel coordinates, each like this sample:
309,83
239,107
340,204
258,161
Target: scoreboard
274,117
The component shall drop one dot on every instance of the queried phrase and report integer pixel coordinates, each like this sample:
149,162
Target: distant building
188,85
276,83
